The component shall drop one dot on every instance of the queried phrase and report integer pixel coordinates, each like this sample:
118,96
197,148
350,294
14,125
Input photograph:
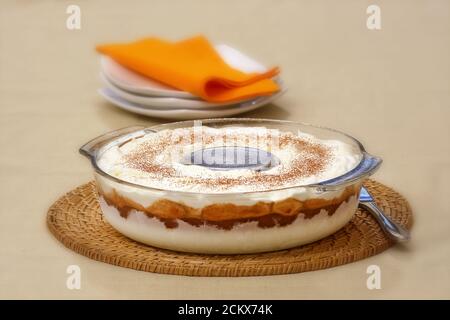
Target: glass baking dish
292,215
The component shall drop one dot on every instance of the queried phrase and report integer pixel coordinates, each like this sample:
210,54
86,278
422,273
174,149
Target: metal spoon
395,231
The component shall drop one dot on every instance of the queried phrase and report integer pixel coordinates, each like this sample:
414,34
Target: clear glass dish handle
90,148
368,165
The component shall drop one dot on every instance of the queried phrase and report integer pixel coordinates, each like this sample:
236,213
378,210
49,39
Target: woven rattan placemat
75,219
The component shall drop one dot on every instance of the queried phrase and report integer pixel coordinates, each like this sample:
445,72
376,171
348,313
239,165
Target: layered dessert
226,190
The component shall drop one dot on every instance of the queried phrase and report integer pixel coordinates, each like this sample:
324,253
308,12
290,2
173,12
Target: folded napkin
191,65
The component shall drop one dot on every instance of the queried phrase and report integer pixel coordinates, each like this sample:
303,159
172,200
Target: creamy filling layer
243,238
227,215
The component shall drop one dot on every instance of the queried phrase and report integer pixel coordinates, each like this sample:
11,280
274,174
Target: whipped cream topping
158,159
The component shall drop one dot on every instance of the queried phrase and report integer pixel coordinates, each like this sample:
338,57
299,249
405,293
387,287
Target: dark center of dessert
232,158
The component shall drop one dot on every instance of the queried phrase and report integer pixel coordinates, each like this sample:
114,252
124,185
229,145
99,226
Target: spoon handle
393,230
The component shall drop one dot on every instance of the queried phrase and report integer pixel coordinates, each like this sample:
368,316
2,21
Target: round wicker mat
75,219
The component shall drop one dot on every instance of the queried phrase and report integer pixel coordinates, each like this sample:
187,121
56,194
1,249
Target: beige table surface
390,88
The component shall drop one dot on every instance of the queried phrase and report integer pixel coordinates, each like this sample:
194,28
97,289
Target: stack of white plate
136,93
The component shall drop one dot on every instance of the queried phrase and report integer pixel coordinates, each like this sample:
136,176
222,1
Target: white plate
187,114
135,83
166,102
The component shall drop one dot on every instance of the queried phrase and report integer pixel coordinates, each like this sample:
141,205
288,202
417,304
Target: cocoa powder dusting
311,159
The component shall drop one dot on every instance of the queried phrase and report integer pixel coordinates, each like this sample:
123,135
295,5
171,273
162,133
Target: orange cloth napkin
191,65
